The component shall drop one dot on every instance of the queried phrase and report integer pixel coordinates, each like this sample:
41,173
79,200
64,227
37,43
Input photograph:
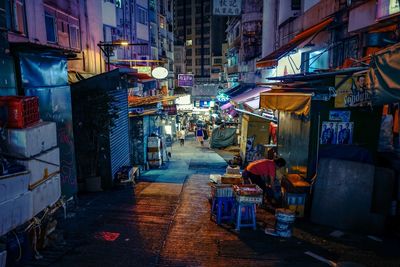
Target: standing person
200,135
182,134
263,173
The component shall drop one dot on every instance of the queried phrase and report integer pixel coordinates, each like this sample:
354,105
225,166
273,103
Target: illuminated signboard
143,69
387,8
227,7
185,80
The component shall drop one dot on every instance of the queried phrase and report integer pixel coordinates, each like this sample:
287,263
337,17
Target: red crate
22,111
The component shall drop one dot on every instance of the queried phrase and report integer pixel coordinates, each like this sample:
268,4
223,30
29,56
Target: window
206,51
74,36
178,69
315,60
206,61
189,70
217,60
141,15
189,62
189,52
189,42
198,61
17,20
50,22
198,72
198,20
198,30
189,31
198,51
198,9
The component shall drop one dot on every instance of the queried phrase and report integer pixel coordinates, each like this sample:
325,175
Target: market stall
329,135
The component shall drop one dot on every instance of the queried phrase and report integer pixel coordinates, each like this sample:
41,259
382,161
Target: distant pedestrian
181,136
200,135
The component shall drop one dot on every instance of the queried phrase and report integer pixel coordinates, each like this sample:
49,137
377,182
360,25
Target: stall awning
226,106
384,76
135,101
298,103
271,60
254,92
269,118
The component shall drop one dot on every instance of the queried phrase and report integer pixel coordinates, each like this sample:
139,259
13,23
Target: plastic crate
221,190
249,199
22,111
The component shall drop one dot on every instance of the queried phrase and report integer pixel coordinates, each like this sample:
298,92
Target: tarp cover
384,76
223,137
299,104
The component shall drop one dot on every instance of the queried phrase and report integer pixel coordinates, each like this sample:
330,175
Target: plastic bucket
284,221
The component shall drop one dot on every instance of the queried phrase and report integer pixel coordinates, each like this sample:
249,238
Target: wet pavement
165,221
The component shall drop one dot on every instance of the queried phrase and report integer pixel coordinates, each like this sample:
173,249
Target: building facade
193,28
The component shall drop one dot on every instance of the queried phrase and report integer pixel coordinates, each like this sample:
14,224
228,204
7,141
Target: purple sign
185,80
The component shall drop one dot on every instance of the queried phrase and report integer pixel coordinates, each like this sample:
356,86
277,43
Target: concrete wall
111,18
91,35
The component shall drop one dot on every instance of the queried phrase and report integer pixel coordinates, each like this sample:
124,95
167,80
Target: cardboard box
15,212
33,140
13,185
46,194
42,165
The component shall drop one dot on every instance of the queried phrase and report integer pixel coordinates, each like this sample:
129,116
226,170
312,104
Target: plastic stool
245,215
221,208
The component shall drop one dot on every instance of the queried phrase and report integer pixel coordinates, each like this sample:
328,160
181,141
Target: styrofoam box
15,212
46,194
32,140
153,155
13,185
37,165
3,258
153,142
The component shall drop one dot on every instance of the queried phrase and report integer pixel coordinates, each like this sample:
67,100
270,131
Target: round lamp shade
159,73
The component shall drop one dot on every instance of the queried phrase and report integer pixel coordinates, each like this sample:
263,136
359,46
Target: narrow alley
165,221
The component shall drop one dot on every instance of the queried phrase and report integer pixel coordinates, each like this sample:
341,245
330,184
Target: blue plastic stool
245,215
221,208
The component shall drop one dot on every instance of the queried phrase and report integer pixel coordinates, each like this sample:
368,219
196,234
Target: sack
205,135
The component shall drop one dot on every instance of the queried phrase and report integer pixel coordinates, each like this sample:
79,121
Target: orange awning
271,60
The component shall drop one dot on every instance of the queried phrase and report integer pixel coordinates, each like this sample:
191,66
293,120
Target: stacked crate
15,201
35,147
154,152
32,144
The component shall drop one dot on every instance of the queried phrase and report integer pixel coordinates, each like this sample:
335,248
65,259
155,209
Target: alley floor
164,220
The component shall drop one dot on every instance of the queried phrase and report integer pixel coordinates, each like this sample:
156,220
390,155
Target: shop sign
170,109
339,115
185,107
143,69
221,97
227,7
387,8
136,110
353,92
185,80
159,73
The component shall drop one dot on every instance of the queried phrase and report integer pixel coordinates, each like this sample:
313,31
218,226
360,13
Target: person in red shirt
262,173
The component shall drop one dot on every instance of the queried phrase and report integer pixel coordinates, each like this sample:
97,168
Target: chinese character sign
185,80
227,7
